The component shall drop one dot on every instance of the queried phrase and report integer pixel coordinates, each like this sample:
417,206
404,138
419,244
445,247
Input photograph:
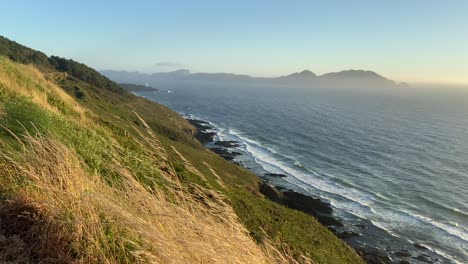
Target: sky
413,41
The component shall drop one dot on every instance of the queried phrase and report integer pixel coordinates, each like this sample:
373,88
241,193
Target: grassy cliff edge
90,173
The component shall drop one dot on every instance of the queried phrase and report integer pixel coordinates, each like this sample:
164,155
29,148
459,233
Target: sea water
395,161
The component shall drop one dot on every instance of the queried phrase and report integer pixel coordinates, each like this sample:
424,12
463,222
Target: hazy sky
411,40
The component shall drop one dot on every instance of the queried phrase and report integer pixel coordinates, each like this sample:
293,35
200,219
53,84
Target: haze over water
397,158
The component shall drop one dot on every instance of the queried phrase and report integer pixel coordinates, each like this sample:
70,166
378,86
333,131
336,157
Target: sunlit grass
107,178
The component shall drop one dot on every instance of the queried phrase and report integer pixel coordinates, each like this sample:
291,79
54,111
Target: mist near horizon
306,79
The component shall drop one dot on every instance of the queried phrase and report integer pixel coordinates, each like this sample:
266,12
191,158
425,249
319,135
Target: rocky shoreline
314,206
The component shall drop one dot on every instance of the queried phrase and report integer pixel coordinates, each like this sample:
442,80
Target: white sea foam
384,227
444,254
264,156
298,163
250,141
452,230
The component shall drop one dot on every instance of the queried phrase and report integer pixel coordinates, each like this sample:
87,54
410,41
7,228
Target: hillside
91,173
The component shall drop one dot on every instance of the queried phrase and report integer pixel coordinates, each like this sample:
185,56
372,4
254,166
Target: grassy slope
100,129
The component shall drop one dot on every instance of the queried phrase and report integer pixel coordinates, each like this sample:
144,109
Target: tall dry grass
73,216
28,81
54,209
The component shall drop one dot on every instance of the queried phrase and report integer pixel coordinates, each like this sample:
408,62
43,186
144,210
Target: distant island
138,87
303,79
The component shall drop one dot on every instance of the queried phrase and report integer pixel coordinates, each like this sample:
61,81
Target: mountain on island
302,75
303,79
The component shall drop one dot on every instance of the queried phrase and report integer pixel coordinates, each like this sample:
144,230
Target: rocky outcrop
306,204
227,144
271,192
274,175
226,154
321,210
373,255
202,133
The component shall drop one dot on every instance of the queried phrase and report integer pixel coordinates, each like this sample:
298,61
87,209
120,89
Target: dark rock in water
313,206
347,234
361,226
327,220
270,192
275,175
279,188
404,262
228,144
306,204
226,154
202,134
419,246
403,253
205,137
426,258
373,255
309,205
203,125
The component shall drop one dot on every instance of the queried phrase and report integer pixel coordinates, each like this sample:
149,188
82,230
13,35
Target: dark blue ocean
393,163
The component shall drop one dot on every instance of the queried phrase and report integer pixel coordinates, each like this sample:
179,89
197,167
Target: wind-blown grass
104,178
97,223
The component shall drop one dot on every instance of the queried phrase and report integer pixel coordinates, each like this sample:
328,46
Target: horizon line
417,83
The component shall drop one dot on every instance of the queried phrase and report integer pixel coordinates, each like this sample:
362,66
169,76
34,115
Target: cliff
91,173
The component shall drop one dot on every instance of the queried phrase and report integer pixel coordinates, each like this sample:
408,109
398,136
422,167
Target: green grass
299,231
115,135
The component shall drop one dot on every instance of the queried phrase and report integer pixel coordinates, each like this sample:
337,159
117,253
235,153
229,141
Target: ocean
392,163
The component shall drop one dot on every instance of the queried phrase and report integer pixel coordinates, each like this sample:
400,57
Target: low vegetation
90,173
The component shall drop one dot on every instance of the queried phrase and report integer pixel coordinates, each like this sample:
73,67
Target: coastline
311,205
372,241
272,189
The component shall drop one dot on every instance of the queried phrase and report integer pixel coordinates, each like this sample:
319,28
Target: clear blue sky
412,40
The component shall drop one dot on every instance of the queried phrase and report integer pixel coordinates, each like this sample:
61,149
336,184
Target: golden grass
97,223
58,211
189,166
218,178
28,81
2,111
